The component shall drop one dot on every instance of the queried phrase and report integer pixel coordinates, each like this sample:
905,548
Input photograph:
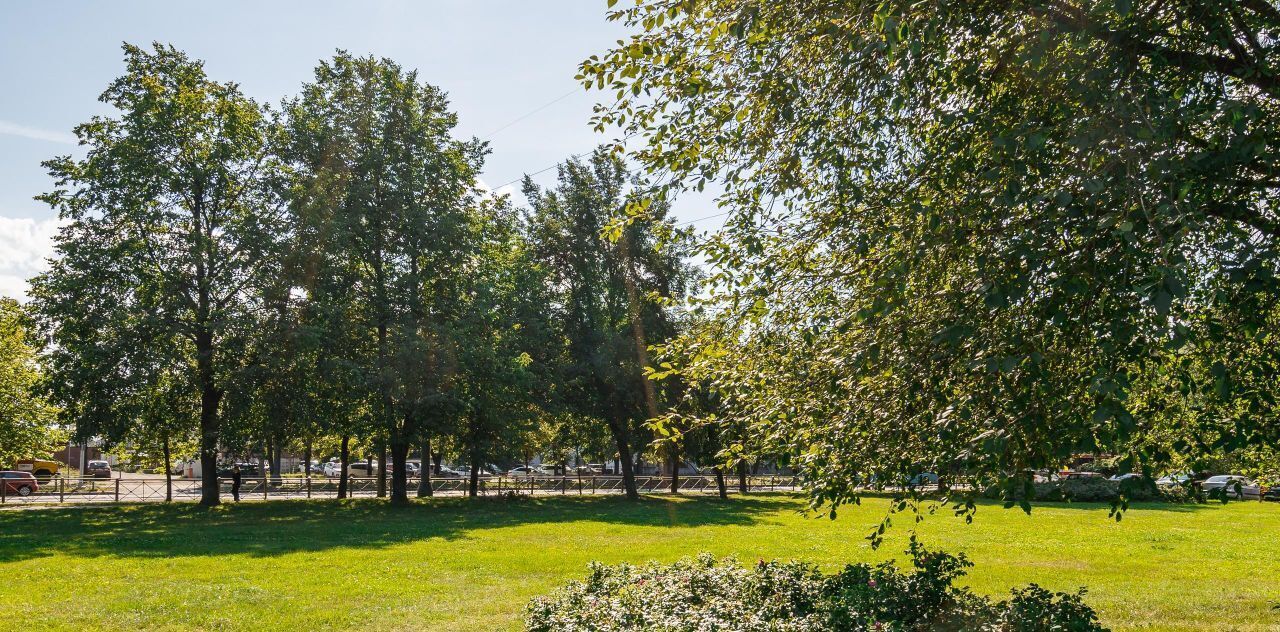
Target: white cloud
484,187
14,129
25,244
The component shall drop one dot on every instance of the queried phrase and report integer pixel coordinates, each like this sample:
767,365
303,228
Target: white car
525,472
1124,477
333,469
1177,478
1234,486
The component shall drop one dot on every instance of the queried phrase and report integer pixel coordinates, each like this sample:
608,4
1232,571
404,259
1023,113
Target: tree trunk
168,470
210,490
276,462
473,487
424,471
382,470
642,349
624,458
437,461
399,477
306,459
344,458
720,486
742,477
674,458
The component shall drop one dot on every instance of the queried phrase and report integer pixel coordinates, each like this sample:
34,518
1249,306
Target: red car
19,483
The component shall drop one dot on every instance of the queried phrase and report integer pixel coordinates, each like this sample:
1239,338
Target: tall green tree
387,192
611,282
172,229
969,232
506,347
26,418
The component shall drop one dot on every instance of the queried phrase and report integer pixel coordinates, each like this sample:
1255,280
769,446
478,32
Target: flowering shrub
706,594
692,594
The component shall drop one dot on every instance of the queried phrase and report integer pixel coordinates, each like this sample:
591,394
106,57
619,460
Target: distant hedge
1098,489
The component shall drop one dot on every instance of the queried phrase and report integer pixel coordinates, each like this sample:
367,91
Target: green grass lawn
453,564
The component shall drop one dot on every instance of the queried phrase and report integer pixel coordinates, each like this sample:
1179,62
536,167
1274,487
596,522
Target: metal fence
97,490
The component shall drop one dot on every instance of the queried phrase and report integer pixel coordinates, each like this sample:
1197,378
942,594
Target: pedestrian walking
235,482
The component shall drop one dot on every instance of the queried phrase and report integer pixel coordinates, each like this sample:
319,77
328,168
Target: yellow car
42,469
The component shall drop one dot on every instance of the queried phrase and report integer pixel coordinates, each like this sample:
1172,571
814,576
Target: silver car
1234,486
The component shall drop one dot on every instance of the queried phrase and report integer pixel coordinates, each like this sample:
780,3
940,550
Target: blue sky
498,60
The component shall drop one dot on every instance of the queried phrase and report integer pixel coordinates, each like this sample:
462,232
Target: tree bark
344,458
210,490
720,486
382,469
624,458
473,488
674,457
399,477
276,461
168,471
742,477
424,471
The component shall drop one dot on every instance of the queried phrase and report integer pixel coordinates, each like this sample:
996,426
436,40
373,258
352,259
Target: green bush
709,594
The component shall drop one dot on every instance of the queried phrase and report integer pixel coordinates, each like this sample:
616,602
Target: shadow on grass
278,528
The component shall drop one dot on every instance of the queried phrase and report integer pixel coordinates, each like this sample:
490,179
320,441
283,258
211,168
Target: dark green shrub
1034,609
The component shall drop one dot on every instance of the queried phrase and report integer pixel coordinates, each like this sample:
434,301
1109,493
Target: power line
695,221
532,112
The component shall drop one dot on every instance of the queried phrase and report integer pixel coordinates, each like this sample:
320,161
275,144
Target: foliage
384,196
610,286
710,594
975,236
172,231
26,419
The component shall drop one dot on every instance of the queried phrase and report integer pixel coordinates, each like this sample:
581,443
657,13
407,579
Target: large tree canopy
973,237
385,196
172,232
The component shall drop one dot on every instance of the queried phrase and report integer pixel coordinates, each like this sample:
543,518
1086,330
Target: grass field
451,564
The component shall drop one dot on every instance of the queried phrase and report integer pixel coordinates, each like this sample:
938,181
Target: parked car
1233,486
1175,478
247,470
464,471
19,483
42,469
332,469
525,472
1272,494
1120,478
1076,474
922,479
362,469
97,469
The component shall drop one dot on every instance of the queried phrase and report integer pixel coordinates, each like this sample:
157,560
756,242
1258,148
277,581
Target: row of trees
329,271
